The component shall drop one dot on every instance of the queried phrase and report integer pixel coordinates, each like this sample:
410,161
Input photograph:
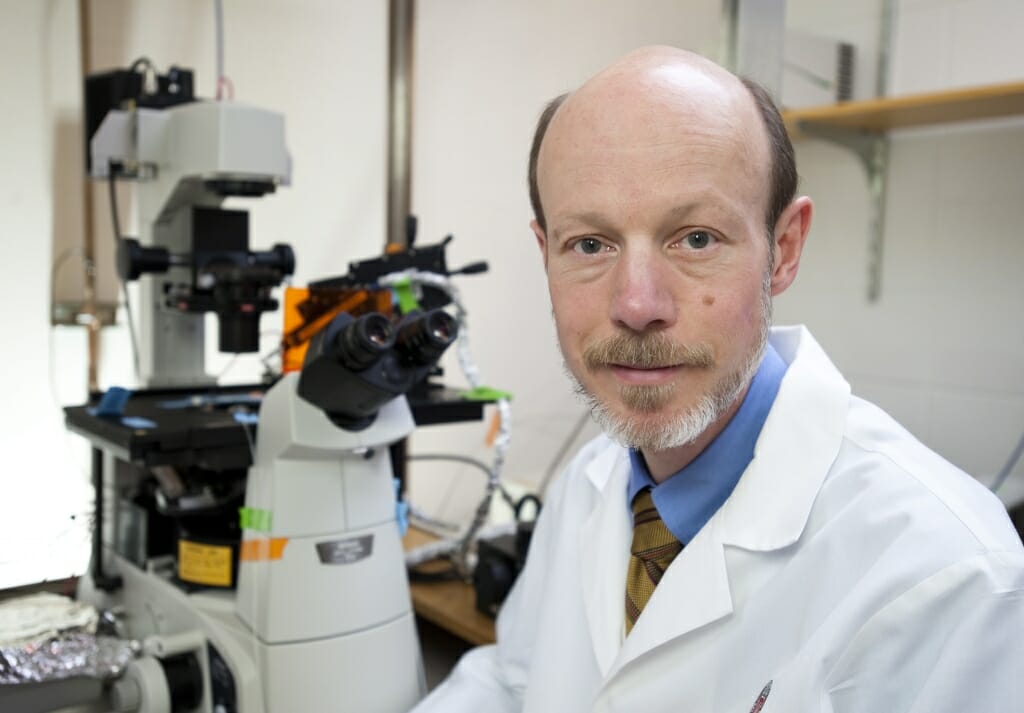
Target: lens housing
423,339
364,340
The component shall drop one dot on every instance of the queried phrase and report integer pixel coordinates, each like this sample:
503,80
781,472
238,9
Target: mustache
650,351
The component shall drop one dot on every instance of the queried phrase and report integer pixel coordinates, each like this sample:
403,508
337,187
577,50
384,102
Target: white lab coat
852,569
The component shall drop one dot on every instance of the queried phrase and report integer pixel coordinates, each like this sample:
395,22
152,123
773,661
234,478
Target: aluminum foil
66,656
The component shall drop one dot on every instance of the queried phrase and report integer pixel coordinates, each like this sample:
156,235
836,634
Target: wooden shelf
450,605
863,127
880,115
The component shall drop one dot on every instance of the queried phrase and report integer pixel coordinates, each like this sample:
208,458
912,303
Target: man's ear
790,234
542,241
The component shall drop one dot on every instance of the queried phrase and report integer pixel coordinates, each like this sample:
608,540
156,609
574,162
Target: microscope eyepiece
424,338
364,340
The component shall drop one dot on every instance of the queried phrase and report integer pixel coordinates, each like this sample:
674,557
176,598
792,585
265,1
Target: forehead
643,141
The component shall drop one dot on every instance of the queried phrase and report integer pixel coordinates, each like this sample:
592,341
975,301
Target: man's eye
588,246
699,239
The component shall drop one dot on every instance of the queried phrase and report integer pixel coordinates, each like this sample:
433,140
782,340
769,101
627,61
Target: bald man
746,536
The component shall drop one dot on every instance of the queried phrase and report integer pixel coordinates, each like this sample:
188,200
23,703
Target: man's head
654,186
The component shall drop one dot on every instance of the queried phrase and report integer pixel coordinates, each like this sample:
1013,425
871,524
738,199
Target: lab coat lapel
604,554
693,593
798,444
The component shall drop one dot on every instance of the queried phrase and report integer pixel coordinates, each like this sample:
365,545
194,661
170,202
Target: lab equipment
501,558
318,616
187,157
279,586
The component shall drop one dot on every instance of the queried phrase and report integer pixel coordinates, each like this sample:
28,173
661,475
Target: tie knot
652,540
643,507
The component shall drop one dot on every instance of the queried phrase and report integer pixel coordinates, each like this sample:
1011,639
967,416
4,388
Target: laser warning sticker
345,551
204,564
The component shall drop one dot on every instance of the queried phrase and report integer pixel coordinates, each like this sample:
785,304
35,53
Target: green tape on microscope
407,301
254,519
486,393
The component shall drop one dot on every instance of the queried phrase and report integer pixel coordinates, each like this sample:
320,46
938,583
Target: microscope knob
285,257
143,688
125,696
134,260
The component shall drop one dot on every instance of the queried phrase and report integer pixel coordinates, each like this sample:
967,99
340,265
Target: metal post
873,151
101,580
91,300
400,44
754,34
886,33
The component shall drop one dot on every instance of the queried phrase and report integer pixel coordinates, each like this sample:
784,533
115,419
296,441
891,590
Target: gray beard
682,428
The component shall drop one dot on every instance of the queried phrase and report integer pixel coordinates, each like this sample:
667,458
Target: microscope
246,536
188,156
323,585
320,619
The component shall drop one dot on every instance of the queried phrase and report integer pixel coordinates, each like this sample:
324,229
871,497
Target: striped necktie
653,549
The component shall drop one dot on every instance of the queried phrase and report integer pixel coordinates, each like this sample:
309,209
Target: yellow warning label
204,564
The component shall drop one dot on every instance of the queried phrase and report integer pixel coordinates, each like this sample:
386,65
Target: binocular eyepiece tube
364,340
419,340
423,340
358,364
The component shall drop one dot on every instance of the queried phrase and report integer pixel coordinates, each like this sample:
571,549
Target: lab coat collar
767,510
770,505
806,420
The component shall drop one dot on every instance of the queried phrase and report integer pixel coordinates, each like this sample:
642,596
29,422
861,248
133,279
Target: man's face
657,258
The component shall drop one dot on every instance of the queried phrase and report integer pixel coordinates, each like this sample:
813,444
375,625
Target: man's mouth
644,376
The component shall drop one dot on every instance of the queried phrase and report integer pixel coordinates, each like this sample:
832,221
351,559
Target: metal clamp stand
873,152
100,578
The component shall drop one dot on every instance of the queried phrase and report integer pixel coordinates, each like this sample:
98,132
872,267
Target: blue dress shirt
689,497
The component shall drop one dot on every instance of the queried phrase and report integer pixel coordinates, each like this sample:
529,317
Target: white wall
943,349
41,483
483,71
320,63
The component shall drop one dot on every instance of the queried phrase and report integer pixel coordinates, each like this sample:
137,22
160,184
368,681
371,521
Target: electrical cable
58,262
268,369
431,524
144,65
452,548
458,458
218,10
143,62
227,367
124,285
469,369
1008,468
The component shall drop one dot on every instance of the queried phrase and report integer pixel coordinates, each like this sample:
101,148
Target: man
748,536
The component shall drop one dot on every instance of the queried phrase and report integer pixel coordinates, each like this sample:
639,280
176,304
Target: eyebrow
602,222
592,218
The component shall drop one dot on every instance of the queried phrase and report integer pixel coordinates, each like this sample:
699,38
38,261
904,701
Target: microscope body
187,159
324,588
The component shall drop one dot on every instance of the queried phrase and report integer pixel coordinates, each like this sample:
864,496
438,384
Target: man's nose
643,297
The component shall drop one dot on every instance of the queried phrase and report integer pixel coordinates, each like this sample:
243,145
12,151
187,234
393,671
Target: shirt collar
689,497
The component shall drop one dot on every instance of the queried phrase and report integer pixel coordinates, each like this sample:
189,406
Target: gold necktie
654,547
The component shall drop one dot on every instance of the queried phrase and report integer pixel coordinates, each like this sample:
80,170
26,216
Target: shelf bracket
873,151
